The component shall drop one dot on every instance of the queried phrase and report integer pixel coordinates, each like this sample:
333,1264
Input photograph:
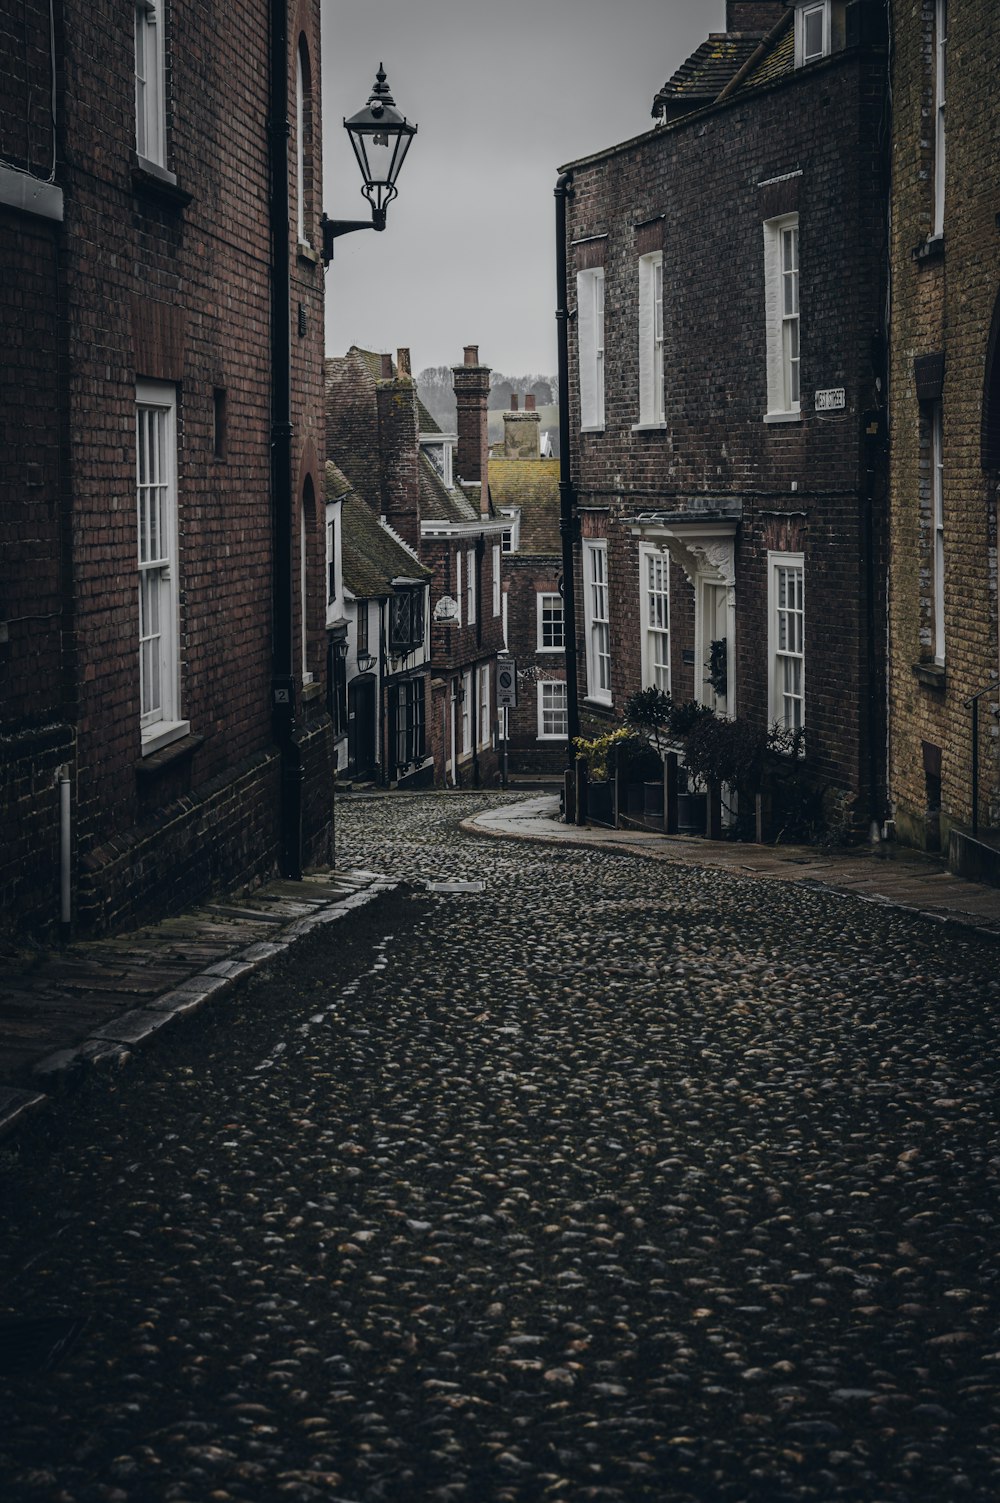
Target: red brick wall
176,288
703,176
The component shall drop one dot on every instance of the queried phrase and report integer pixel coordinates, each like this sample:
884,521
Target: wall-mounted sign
446,609
830,401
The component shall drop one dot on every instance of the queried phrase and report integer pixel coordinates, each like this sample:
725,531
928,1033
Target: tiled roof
428,423
352,422
776,62
532,485
438,503
372,558
706,72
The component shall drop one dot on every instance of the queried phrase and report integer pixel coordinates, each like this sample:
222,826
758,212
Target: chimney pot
472,354
513,401
529,402
385,362
403,362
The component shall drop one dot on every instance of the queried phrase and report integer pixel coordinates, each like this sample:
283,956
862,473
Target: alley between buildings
582,1177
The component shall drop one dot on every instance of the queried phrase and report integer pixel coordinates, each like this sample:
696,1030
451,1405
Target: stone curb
478,824
114,1041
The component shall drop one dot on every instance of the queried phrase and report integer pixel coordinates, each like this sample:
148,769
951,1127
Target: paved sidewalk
888,874
94,1002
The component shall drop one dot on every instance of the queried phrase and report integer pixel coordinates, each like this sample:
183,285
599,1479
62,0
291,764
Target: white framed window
466,709
786,640
937,522
654,589
150,82
485,706
511,537
553,710
458,585
301,67
597,621
940,60
590,329
505,622
157,536
551,633
812,32
651,395
470,587
496,551
781,305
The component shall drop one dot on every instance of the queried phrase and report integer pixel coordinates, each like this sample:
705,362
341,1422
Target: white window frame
157,542
510,539
150,83
782,318
654,609
546,615
940,76
485,705
597,620
496,553
470,586
652,400
466,713
786,640
937,505
552,689
458,585
802,15
300,147
590,338
307,676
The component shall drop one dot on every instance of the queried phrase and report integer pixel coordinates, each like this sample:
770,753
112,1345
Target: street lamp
381,138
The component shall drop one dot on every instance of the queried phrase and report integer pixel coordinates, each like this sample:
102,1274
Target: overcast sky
503,94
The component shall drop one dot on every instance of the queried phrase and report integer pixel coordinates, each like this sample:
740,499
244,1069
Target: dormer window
812,32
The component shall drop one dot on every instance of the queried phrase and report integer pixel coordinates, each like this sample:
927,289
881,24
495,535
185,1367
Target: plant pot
692,813
652,799
600,802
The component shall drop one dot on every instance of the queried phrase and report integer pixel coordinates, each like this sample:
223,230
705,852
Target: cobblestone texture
612,1181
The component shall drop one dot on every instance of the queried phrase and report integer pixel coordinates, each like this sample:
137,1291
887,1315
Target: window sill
931,675
172,745
593,430
929,251
598,704
783,417
310,692
305,252
550,652
552,736
157,182
649,427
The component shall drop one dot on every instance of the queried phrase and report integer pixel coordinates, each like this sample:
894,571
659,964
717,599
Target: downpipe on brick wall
567,501
282,634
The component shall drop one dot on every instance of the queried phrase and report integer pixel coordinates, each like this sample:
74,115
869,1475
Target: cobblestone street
612,1180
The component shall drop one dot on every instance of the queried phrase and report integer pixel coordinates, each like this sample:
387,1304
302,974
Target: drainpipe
65,852
454,733
568,523
282,634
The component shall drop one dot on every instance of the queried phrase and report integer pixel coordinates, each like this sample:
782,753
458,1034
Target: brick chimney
472,392
399,451
521,430
403,362
754,17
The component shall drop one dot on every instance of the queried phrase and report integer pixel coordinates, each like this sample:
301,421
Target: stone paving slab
886,874
94,1002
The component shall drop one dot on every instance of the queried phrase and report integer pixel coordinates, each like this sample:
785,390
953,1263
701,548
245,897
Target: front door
361,739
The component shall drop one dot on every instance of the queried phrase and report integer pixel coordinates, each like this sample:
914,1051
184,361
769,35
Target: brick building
140,578
727,287
944,404
525,491
431,490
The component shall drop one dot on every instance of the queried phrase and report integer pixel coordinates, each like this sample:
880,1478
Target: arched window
303,143
991,396
307,575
